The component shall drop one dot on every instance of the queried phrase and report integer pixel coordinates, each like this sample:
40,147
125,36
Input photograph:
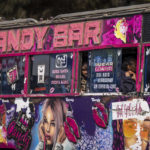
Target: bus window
39,74
108,70
61,73
103,70
12,75
84,78
51,74
128,70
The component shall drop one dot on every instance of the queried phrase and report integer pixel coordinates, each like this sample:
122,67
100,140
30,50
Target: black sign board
12,75
105,70
39,78
60,72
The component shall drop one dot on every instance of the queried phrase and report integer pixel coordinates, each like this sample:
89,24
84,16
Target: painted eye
53,124
45,120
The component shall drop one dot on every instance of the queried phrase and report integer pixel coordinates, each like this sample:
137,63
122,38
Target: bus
79,81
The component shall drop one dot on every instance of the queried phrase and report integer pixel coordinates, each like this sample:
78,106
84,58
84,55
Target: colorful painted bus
79,81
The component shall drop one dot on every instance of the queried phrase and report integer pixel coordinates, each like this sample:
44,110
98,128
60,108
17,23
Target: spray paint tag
41,73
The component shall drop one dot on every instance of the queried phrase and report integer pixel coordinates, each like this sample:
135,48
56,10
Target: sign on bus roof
114,31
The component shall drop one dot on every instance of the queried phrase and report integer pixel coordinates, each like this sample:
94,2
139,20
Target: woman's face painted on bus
49,125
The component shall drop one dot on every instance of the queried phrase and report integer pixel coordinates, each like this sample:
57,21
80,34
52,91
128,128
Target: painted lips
48,137
71,129
100,114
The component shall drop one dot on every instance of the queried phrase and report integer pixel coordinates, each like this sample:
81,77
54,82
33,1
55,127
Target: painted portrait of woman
51,130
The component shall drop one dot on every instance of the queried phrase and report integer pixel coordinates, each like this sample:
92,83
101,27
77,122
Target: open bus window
103,70
128,70
12,75
108,70
85,72
51,74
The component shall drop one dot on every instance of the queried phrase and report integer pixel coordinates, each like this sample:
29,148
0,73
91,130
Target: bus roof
79,16
103,13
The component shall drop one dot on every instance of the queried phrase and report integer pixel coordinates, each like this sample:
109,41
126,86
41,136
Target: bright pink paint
63,36
39,52
60,36
27,39
92,31
21,138
75,33
14,95
99,32
40,33
14,38
3,41
103,68
73,68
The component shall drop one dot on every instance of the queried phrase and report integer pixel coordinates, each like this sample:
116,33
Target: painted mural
69,123
75,123
115,31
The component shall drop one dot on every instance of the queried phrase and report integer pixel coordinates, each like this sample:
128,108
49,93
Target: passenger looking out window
84,75
128,75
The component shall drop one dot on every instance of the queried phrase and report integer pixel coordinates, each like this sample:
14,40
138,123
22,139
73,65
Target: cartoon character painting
51,130
121,29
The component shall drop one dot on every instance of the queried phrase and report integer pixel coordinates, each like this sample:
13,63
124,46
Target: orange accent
144,134
40,89
129,128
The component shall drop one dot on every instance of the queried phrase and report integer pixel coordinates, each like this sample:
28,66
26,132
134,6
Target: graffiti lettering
76,33
130,109
21,39
21,134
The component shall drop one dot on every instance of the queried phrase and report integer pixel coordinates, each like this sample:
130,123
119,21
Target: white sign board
135,108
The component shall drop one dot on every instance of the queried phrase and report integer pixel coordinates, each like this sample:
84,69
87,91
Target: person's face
84,70
49,125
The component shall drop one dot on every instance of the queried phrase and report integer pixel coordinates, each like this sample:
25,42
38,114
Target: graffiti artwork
75,123
100,32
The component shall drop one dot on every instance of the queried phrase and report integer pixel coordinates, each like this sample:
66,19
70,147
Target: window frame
26,74
138,84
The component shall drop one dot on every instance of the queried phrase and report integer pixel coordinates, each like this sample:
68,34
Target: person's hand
130,74
61,135
41,132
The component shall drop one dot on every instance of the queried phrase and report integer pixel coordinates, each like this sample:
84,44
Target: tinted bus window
105,70
61,72
39,74
51,74
12,75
